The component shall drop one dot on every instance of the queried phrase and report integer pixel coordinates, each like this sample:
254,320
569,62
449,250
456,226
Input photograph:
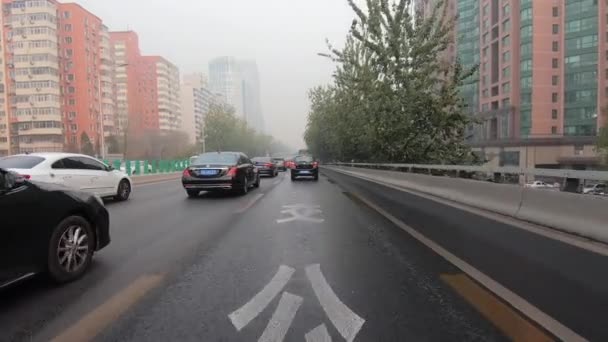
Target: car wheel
124,190
244,188
257,182
71,249
193,193
316,177
293,178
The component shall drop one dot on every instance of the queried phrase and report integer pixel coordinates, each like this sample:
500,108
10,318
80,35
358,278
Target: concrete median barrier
574,213
157,178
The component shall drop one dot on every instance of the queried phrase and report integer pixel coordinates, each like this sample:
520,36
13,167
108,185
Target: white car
539,185
594,189
77,171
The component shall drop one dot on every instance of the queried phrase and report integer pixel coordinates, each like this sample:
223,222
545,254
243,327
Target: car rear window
304,159
278,159
20,162
217,159
262,159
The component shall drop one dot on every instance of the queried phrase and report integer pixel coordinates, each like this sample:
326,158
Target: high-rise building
195,98
4,118
540,92
80,38
30,45
108,87
160,94
252,106
127,56
226,80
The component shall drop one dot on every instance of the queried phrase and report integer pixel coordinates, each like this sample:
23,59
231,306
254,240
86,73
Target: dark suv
305,166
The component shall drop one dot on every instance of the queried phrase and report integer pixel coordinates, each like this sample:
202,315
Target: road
302,261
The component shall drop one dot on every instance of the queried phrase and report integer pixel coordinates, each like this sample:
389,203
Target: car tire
124,190
257,182
244,188
63,247
193,193
316,178
293,178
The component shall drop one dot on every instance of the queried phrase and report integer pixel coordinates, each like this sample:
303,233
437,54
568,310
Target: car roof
52,155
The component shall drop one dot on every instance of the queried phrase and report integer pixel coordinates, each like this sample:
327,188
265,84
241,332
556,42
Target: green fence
148,167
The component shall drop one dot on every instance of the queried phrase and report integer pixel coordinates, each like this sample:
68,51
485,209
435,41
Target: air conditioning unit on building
38,89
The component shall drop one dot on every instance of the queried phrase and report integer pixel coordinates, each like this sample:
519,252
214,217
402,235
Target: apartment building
195,100
126,55
4,121
540,92
32,84
80,35
108,87
160,91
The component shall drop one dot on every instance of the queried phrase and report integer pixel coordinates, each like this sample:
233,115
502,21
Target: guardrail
148,167
583,215
558,173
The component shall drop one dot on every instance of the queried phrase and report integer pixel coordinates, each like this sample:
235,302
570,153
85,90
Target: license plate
305,172
207,172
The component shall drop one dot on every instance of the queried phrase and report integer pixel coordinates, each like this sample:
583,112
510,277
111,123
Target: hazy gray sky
284,37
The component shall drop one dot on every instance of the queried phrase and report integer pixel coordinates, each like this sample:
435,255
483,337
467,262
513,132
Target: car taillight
186,173
23,177
232,172
268,164
315,164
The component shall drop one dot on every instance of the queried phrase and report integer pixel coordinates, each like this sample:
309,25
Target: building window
66,15
526,65
68,40
485,52
555,12
553,114
554,97
506,102
555,63
554,80
72,102
506,41
506,87
67,27
553,129
555,46
506,26
506,72
484,107
70,77
555,29
506,10
71,90
506,56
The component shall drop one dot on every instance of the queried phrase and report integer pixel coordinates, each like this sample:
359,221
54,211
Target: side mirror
110,168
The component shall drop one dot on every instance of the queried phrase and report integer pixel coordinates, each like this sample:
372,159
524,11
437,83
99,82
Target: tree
392,98
114,145
86,146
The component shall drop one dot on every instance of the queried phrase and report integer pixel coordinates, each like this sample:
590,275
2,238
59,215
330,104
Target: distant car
48,228
265,166
77,171
305,166
539,185
594,189
216,171
280,162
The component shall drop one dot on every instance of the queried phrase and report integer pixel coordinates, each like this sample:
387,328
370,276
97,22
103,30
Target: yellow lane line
505,318
94,322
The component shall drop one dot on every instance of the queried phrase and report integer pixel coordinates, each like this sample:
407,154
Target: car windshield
278,159
217,159
307,159
262,159
20,162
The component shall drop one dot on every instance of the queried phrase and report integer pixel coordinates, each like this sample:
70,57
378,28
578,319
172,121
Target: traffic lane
144,233
384,278
562,280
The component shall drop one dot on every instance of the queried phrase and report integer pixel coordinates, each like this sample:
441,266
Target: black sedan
217,171
266,166
49,229
304,166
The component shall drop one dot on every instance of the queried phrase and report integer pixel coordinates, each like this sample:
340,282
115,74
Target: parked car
594,189
305,166
77,171
216,171
48,228
539,185
280,163
265,166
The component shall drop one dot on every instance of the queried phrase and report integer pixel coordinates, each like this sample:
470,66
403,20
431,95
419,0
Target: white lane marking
549,323
249,204
318,334
301,212
281,318
344,319
242,316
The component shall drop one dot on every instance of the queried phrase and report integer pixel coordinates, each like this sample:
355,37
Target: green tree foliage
225,132
393,98
86,146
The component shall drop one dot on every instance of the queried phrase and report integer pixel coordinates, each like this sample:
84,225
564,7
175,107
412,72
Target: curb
140,180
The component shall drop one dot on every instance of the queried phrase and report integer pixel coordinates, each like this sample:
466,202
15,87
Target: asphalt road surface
291,261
